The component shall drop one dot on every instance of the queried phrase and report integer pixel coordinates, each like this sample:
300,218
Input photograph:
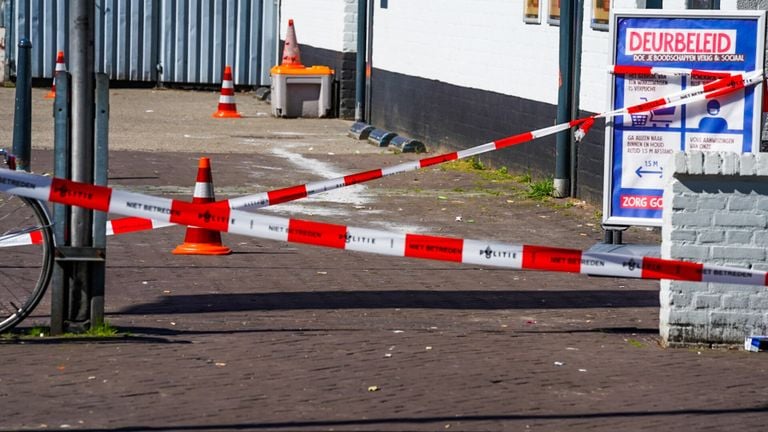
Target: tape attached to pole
220,217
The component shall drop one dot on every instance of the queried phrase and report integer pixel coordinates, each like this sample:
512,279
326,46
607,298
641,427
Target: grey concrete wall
715,210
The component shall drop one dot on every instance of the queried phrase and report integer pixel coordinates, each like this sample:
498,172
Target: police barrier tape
719,87
220,217
666,71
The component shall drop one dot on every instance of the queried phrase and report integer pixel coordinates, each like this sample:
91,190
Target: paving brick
290,337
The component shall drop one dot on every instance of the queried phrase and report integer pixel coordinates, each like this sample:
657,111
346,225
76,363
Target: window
553,17
653,4
600,14
532,12
703,4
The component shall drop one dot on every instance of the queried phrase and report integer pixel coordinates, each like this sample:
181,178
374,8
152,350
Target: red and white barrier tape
715,88
693,94
220,217
666,71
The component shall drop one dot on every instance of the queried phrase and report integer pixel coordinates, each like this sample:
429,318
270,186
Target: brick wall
716,210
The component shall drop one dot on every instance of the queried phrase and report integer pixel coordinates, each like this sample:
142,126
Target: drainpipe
362,14
577,39
565,96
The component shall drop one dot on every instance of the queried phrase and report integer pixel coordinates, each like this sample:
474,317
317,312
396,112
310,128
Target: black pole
22,120
564,101
362,17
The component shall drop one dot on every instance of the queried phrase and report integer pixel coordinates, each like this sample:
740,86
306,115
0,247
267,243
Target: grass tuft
541,189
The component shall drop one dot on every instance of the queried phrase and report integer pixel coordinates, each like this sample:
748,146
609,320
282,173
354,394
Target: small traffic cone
200,241
60,67
227,107
291,53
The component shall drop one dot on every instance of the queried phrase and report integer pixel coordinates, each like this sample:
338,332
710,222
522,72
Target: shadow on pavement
294,425
168,332
461,300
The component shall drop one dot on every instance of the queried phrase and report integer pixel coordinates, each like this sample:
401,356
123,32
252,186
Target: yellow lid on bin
301,70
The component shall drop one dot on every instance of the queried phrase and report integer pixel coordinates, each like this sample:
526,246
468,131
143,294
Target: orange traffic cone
291,53
60,67
200,241
227,107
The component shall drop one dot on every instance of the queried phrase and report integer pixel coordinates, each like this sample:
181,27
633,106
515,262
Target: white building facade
458,73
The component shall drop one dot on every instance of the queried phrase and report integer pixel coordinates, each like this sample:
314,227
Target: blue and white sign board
640,147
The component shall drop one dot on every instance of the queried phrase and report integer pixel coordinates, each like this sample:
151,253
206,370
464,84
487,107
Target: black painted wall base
454,117
449,117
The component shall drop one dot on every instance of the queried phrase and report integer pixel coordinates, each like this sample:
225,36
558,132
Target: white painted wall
482,44
327,24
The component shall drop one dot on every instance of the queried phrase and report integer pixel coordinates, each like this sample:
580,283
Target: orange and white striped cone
60,67
199,241
291,53
227,107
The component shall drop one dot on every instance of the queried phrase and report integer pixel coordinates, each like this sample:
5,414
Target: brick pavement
289,337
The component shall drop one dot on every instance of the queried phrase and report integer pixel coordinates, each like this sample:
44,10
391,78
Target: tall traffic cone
291,53
227,107
200,241
60,67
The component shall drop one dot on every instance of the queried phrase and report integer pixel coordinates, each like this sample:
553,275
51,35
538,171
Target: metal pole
564,102
22,120
362,18
369,63
98,268
60,211
578,17
81,70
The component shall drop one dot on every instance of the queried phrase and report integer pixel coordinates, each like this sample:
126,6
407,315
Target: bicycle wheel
26,257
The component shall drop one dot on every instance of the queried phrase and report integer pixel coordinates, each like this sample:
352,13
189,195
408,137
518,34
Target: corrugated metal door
174,41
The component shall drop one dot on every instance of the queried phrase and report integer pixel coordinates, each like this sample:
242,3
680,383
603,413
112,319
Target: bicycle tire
26,257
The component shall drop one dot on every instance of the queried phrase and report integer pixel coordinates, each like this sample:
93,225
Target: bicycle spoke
26,256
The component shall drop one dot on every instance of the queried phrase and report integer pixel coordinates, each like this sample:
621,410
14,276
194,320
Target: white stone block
712,163
747,164
730,163
695,162
762,164
680,163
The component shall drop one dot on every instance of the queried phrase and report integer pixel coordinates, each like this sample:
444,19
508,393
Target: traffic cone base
211,247
201,241
225,113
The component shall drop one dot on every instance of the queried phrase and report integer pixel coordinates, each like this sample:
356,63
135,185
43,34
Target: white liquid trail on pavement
350,196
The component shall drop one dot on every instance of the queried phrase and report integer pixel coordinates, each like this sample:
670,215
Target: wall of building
456,74
716,211
464,73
